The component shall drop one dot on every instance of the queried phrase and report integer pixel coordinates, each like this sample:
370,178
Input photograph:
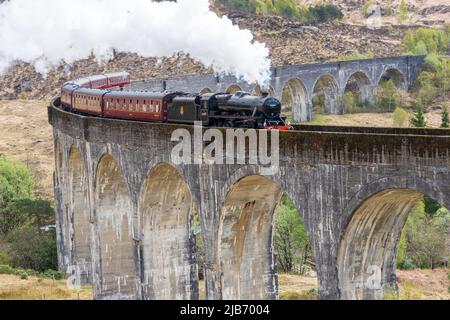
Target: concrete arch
396,76
326,95
115,232
258,91
79,215
168,242
233,89
294,100
368,248
360,86
205,90
246,256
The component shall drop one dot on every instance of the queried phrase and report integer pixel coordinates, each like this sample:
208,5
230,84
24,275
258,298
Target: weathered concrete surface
352,189
333,79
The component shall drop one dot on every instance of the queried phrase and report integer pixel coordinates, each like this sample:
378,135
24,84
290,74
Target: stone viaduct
303,82
125,210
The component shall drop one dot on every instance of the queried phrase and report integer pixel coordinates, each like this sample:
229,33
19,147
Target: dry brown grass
14,288
414,285
433,119
424,284
26,135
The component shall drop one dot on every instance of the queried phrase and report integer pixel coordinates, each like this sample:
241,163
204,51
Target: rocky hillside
420,12
289,41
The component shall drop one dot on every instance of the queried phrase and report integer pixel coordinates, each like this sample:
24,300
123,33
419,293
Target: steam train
96,96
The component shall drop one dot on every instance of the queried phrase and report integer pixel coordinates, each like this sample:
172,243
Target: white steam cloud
48,32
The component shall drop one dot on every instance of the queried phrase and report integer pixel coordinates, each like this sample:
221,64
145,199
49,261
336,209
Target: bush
286,8
399,117
349,102
325,12
5,269
24,276
404,12
356,56
53,274
387,96
292,245
5,258
418,120
424,237
426,41
16,181
445,119
33,249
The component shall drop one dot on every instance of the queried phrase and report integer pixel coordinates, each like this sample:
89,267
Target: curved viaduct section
304,82
125,211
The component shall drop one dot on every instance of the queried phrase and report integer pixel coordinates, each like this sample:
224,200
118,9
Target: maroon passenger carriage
90,95
147,106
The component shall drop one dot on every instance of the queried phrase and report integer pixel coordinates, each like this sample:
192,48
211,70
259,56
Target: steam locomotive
95,96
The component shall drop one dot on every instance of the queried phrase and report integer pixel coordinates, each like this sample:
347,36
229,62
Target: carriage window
137,104
157,107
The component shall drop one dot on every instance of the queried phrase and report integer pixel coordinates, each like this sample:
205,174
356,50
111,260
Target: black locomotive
225,110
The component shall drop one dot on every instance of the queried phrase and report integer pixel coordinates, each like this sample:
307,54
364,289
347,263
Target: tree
445,119
387,95
349,102
403,16
16,181
32,249
399,117
291,241
418,120
424,239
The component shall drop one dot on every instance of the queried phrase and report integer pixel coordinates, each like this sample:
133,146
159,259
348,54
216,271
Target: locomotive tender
94,96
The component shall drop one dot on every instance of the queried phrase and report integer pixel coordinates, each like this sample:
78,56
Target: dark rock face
352,189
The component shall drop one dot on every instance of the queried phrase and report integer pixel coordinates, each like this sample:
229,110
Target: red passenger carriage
147,106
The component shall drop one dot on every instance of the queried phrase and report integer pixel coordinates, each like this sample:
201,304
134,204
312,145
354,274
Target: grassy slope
14,288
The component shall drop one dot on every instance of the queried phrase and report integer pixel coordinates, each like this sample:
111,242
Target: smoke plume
49,32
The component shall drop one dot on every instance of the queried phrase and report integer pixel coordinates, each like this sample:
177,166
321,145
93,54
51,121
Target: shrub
24,276
325,12
418,120
426,41
445,119
53,274
4,269
349,102
5,258
404,12
399,117
356,56
387,96
286,8
365,7
33,249
15,181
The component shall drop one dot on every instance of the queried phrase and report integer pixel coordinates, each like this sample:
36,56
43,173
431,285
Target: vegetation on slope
287,8
24,242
